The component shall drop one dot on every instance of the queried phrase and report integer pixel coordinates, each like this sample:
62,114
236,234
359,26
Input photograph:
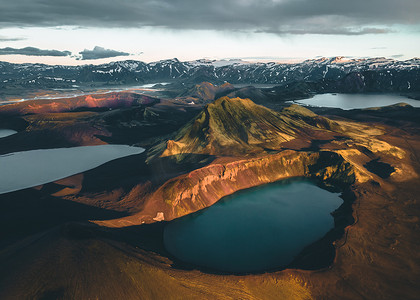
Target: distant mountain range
352,75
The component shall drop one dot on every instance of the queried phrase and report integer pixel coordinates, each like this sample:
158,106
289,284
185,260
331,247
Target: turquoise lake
256,229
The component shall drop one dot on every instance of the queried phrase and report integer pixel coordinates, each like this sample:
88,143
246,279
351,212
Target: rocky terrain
99,234
337,74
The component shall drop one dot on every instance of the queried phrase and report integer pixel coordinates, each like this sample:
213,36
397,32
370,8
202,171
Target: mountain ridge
235,126
393,74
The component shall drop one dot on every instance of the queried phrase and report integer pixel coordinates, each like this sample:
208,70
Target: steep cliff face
251,145
203,187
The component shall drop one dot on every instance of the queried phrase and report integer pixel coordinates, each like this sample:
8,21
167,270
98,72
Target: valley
99,232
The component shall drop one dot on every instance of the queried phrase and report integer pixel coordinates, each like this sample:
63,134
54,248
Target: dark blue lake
255,229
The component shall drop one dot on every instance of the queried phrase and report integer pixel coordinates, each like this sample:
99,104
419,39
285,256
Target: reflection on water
21,170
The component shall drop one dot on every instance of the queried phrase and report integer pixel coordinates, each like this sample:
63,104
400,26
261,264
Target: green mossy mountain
235,126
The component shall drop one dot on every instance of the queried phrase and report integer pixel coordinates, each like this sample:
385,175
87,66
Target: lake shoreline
350,101
314,255
149,237
19,169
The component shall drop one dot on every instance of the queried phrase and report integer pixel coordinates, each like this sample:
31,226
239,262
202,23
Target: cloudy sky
91,31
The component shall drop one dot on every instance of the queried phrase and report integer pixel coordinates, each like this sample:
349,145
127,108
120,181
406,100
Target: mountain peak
236,126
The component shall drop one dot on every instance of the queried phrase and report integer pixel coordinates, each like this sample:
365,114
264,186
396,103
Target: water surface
256,229
353,101
20,170
6,132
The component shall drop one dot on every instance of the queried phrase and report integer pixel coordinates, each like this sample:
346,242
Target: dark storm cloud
277,16
31,51
99,52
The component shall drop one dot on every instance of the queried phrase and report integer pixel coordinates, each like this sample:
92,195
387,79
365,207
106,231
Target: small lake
256,229
6,132
20,170
356,101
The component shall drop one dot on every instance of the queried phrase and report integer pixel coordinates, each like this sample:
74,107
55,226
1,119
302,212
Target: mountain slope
92,101
238,126
205,92
374,74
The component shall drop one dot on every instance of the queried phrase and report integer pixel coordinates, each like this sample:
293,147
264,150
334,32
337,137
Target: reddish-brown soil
377,257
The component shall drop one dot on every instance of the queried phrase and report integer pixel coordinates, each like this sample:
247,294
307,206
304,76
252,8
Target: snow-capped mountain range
399,75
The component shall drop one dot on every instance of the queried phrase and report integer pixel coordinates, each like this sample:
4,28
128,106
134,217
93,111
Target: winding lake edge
314,257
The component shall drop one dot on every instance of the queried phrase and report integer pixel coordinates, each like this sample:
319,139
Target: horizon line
250,60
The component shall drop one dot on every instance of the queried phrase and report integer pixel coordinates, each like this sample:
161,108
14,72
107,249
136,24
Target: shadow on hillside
29,211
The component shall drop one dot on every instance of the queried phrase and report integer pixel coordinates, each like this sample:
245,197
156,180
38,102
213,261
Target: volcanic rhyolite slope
249,145
117,117
237,126
377,258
